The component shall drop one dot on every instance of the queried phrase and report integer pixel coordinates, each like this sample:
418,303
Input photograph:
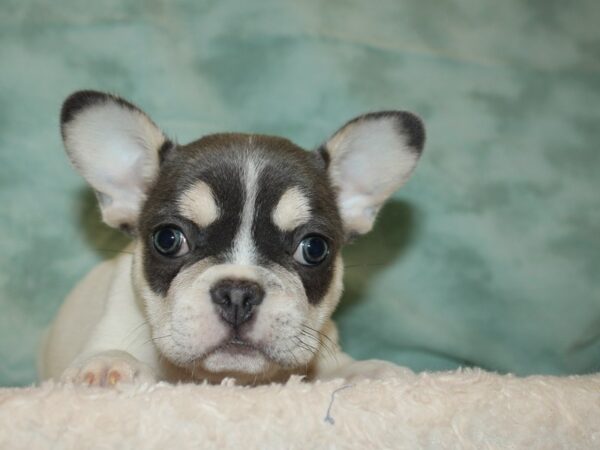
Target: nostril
236,299
253,294
221,296
249,301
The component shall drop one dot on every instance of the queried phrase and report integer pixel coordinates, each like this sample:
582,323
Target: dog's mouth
238,346
241,358
238,357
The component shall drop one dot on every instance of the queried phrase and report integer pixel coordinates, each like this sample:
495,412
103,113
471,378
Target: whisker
334,344
321,343
129,335
161,337
313,337
154,339
312,350
328,350
305,332
293,356
309,348
330,347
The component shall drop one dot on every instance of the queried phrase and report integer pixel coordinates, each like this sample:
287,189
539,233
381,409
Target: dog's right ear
116,147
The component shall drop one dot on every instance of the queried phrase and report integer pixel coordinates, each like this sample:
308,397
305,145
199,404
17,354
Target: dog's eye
170,241
312,251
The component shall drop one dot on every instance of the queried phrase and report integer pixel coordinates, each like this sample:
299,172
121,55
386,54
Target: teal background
489,256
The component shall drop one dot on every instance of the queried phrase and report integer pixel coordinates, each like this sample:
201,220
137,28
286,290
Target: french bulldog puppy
235,266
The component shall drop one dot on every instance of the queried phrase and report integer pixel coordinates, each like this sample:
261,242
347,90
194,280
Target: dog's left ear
116,147
368,159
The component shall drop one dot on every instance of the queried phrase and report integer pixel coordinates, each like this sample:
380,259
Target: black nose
236,300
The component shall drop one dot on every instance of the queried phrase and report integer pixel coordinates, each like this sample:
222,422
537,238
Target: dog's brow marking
292,210
198,204
244,249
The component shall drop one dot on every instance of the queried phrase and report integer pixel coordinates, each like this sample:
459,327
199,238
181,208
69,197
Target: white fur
244,249
467,409
370,160
115,148
198,204
102,314
292,210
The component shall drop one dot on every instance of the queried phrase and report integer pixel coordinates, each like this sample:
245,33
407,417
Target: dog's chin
243,360
236,357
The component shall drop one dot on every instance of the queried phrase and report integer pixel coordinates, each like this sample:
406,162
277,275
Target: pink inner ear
115,148
370,160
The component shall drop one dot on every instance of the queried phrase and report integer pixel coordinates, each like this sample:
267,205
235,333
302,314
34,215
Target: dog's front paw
372,369
108,369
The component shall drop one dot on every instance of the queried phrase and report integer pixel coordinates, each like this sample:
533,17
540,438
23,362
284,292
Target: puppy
235,266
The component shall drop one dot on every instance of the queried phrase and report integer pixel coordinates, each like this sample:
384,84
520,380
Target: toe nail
114,378
89,378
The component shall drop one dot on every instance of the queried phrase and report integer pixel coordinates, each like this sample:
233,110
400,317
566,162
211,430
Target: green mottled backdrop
490,255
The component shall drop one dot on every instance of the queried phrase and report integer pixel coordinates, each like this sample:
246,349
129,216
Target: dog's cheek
155,305
184,324
157,309
281,317
321,311
195,326
278,329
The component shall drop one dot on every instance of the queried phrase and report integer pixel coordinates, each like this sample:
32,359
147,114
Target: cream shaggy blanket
463,409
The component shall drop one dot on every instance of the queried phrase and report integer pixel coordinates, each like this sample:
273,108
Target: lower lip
238,348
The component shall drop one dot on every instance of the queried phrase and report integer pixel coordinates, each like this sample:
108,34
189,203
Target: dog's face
238,236
239,253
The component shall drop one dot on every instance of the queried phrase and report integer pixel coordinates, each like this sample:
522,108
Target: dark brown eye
311,251
170,241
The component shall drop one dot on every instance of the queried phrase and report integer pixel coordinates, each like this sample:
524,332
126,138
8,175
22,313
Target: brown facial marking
218,162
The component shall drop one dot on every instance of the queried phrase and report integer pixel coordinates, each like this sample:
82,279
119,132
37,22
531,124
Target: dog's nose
236,300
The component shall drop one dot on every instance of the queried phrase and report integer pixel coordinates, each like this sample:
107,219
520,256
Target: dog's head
238,236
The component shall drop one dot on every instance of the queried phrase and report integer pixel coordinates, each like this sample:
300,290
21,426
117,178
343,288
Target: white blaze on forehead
244,248
292,210
198,204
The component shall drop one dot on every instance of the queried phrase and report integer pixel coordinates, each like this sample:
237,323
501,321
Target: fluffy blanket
463,409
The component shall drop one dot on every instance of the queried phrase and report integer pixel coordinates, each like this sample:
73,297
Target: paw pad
108,370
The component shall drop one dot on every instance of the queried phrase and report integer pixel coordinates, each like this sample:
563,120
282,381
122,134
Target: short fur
247,213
